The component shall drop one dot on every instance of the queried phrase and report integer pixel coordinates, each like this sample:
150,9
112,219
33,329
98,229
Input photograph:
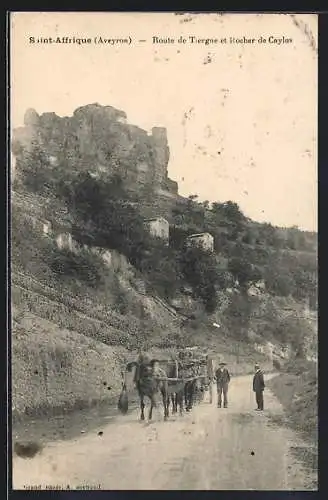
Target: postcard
163,203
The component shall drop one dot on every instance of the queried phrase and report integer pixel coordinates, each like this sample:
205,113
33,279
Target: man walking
222,377
258,387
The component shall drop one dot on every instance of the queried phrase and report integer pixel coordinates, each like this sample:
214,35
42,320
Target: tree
104,218
278,283
190,214
178,237
232,212
228,211
82,265
244,272
200,270
224,279
238,316
161,266
269,235
36,172
292,238
294,331
305,283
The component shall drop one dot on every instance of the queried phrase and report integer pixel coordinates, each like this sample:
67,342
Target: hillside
88,276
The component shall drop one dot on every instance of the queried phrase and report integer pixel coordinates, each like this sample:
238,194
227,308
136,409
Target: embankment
57,370
297,389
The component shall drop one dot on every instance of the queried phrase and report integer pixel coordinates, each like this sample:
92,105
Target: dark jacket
222,376
258,381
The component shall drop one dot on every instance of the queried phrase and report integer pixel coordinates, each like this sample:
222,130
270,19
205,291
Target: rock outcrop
98,139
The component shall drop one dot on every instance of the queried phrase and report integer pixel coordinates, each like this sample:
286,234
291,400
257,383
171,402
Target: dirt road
210,448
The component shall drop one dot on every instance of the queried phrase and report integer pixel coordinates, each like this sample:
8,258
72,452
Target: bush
238,314
83,265
111,220
305,284
279,284
224,279
199,268
160,265
294,331
244,271
29,248
228,210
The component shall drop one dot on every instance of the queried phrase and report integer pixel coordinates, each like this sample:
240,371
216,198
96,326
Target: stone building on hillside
159,228
202,240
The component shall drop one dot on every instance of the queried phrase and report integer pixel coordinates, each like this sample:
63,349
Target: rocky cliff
97,139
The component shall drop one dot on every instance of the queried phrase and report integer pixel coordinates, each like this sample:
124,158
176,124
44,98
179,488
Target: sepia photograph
163,260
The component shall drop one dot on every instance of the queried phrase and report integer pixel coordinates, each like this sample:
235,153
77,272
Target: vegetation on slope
103,216
104,213
297,389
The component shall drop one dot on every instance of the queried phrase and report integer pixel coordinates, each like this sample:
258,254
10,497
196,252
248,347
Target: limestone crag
97,139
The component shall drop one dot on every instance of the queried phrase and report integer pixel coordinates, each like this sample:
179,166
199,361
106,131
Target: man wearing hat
222,377
258,387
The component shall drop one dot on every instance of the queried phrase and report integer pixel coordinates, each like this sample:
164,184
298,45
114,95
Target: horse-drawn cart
191,373
181,381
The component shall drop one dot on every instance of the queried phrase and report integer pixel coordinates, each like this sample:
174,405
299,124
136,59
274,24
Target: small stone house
159,228
203,240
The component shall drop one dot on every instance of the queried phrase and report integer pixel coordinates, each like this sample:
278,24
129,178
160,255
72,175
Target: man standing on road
222,377
258,387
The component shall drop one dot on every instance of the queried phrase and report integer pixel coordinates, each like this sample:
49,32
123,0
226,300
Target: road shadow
242,418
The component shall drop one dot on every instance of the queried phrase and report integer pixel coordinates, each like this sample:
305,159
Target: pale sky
241,127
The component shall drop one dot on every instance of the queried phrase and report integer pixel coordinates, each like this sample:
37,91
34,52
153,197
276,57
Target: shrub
276,364
244,271
160,265
82,265
238,314
279,284
200,270
295,331
29,248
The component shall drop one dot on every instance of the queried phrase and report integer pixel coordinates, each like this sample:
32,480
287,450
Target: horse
175,390
181,393
149,382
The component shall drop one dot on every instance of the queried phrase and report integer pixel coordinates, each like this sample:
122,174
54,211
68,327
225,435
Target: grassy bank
297,390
